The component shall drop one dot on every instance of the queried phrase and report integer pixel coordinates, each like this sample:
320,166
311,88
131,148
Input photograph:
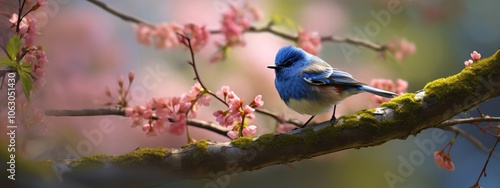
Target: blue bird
309,85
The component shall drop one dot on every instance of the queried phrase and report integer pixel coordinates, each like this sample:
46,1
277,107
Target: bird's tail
379,92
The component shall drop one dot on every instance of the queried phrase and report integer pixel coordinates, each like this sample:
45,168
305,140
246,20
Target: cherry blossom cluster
475,57
38,61
233,23
443,161
26,28
168,115
238,116
388,85
401,48
166,35
236,21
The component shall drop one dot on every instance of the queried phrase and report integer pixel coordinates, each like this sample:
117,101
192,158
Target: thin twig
468,120
469,137
277,118
355,41
19,15
483,171
119,14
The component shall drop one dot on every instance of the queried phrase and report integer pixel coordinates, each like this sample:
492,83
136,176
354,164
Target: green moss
200,146
243,142
278,141
142,156
92,161
464,83
268,141
406,110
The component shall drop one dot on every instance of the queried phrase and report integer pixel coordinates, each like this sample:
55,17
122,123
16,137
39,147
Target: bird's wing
320,73
339,77
317,72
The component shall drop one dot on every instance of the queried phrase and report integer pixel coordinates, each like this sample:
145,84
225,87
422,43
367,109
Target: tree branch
399,118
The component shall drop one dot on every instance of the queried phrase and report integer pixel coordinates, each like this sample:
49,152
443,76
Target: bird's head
289,61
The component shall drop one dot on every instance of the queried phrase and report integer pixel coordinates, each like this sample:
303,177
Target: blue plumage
309,85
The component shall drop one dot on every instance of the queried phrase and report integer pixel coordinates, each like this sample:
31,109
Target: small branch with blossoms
172,114
237,21
23,57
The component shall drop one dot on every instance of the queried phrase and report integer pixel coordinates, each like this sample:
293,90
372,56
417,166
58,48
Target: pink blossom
249,130
257,102
232,134
196,95
32,31
443,161
475,56
128,111
401,48
309,42
248,110
223,91
38,4
24,25
401,86
232,95
149,130
468,63
131,76
193,94
439,158
235,105
388,85
223,118
198,35
38,61
41,2
143,34
233,23
165,35
136,114
283,127
178,126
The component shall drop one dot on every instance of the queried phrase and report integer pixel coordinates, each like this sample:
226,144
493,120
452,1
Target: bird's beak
272,67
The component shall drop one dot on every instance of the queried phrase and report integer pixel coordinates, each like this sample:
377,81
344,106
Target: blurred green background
88,48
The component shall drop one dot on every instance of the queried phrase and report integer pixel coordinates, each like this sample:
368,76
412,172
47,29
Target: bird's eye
288,63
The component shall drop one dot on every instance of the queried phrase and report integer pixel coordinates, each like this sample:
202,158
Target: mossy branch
406,115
